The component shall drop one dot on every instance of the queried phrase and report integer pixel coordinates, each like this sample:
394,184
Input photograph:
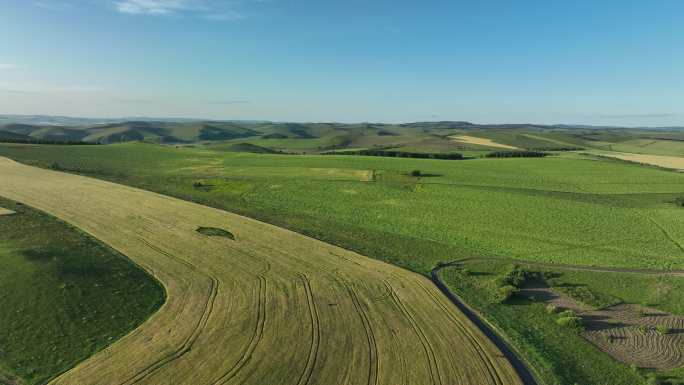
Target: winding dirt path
268,308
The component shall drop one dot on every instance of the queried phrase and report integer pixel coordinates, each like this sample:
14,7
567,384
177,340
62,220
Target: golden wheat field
269,307
481,142
672,162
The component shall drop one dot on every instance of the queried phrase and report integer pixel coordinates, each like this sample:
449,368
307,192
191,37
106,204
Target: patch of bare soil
633,334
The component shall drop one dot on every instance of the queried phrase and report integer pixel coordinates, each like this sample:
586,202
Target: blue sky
547,61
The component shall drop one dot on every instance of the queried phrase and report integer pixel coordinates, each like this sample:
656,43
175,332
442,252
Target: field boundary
525,371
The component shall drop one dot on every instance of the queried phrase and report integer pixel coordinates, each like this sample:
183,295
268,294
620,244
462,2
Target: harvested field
671,162
626,332
268,307
4,211
481,142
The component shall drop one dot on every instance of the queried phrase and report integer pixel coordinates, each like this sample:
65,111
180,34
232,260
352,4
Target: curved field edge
207,323
69,295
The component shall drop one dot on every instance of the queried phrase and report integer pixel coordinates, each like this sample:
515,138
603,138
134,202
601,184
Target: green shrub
504,293
570,322
567,314
662,329
679,201
643,329
215,232
416,173
551,308
517,276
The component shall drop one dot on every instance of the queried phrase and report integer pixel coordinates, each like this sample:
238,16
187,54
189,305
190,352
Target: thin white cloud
7,66
153,7
219,10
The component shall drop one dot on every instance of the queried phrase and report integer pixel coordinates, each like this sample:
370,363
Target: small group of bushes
513,280
200,185
215,232
516,154
566,318
421,174
400,154
679,201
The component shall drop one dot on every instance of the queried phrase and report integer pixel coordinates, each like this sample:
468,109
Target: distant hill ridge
292,137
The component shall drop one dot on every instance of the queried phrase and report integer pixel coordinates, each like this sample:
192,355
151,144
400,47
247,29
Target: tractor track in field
468,334
370,336
197,331
429,351
255,338
305,377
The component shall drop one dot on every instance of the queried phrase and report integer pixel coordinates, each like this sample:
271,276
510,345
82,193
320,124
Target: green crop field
556,209
566,208
64,296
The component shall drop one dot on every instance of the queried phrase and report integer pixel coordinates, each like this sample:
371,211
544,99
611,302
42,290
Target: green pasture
63,295
555,209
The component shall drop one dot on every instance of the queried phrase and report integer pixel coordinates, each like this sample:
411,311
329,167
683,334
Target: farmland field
670,162
567,208
481,142
251,303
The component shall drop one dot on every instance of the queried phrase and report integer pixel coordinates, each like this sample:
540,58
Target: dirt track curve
272,307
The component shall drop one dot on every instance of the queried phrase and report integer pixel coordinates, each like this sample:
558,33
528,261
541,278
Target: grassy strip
65,295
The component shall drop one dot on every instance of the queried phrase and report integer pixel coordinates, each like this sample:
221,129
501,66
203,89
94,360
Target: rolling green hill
313,138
